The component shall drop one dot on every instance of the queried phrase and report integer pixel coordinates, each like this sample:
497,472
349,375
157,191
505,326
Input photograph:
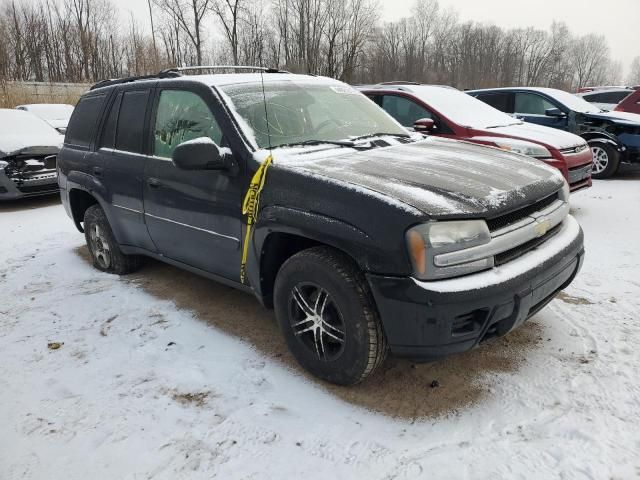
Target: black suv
300,190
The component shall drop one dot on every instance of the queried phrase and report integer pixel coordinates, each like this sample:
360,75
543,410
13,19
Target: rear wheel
105,251
328,317
606,160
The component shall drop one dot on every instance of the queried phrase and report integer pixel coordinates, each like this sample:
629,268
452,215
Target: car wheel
605,160
105,251
328,317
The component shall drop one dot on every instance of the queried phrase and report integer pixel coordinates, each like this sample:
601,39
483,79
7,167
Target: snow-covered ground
166,375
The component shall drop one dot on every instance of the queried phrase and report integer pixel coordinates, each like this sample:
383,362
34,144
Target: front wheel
606,160
328,317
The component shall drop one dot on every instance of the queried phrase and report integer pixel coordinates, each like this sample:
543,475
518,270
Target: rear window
82,125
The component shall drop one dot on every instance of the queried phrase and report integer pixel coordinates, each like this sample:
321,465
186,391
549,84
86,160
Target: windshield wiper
381,134
507,125
340,143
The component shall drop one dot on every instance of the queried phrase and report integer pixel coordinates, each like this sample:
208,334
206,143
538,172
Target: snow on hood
621,117
29,145
553,137
440,177
24,133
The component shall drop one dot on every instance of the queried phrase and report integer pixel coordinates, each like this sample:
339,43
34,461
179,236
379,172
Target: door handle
97,171
154,182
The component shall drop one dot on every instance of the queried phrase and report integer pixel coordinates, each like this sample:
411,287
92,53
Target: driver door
532,108
193,217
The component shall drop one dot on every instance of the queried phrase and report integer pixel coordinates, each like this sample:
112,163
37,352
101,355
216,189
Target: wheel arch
276,241
79,201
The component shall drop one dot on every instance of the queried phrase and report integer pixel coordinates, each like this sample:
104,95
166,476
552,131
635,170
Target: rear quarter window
82,125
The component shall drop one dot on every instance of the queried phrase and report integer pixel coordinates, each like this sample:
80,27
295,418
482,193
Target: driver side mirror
424,125
201,154
554,112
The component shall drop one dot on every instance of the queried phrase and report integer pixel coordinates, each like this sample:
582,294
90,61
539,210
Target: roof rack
399,82
177,72
224,67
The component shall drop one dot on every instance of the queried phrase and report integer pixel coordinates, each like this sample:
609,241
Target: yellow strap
250,207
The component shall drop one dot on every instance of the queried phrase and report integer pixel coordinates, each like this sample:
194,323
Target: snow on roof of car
237,78
49,111
568,99
459,107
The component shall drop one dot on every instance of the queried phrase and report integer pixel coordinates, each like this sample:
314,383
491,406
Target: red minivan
448,112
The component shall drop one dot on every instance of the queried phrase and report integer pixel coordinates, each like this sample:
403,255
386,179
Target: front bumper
45,183
429,320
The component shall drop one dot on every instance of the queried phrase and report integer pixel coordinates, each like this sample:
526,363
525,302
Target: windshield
302,112
572,102
18,122
461,108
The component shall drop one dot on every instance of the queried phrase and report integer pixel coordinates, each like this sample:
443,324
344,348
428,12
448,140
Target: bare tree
188,15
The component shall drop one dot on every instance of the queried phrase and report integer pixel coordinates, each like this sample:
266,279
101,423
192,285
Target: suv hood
26,144
553,137
440,177
621,118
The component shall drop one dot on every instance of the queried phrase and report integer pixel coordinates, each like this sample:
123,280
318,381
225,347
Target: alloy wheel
316,321
100,246
600,159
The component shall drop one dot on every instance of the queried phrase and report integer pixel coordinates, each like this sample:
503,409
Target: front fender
602,137
316,227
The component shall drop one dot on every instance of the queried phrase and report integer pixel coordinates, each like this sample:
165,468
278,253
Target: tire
105,251
345,343
606,160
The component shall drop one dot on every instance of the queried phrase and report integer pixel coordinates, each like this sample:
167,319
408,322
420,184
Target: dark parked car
453,114
363,237
614,137
630,104
27,155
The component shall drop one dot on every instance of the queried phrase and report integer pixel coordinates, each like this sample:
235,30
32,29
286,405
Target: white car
55,114
28,146
606,99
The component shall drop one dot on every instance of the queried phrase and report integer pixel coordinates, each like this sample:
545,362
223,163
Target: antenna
266,115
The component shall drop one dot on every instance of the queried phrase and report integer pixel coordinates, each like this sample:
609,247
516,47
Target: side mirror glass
424,125
554,112
200,154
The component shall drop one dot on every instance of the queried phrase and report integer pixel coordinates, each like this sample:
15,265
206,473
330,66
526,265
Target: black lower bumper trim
427,325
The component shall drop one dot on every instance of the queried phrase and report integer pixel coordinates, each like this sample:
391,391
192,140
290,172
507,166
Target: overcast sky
618,20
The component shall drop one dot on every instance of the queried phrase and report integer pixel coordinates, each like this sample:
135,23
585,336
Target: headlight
523,148
426,241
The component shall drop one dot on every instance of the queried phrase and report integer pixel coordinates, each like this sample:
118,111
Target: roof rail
224,67
399,82
116,81
177,72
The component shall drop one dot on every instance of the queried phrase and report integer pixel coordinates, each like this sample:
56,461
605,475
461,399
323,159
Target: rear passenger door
502,101
193,217
121,147
531,107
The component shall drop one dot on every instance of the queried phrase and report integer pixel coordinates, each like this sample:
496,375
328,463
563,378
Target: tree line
89,40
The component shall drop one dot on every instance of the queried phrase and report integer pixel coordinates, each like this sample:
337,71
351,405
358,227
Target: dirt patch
30,203
400,388
198,399
566,298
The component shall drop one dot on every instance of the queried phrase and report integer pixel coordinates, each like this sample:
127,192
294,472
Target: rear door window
108,139
82,125
405,111
532,104
182,116
500,101
130,122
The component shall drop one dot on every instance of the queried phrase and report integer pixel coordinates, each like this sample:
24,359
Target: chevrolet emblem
542,227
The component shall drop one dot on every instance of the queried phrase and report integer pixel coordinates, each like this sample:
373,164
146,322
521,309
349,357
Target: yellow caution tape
250,207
